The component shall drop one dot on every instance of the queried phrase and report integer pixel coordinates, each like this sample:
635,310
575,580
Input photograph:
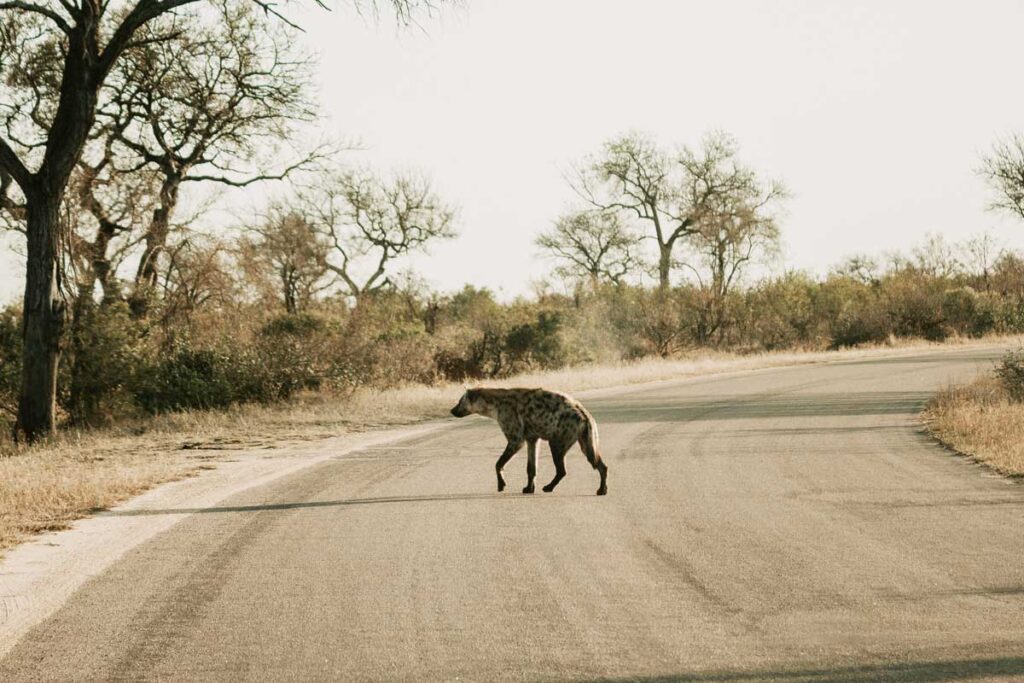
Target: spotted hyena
526,415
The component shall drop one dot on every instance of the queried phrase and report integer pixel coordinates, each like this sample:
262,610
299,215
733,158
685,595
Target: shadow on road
441,498
949,670
807,405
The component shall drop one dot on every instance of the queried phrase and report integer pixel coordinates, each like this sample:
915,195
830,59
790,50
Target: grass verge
51,484
981,421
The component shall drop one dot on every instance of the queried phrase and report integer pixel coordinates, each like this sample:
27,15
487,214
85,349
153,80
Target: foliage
10,364
1010,372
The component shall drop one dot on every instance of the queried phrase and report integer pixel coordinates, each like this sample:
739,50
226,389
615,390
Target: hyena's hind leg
594,458
531,465
558,450
511,449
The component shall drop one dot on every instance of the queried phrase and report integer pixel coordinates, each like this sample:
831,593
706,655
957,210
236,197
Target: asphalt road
791,524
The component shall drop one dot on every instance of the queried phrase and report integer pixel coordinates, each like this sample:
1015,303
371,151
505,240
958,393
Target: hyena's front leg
531,465
511,449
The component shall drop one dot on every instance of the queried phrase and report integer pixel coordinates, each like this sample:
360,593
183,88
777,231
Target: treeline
218,352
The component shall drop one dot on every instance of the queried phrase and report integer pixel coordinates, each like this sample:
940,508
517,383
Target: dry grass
982,421
48,486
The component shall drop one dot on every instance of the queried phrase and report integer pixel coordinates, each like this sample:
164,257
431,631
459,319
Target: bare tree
670,193
936,257
1003,169
981,253
76,44
592,245
370,221
860,267
738,233
212,104
286,250
197,274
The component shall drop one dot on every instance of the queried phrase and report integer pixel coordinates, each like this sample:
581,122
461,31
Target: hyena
526,415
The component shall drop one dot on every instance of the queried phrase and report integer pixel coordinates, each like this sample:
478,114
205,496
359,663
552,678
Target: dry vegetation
983,421
48,486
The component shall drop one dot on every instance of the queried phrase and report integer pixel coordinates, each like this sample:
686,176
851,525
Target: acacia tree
669,193
213,104
79,42
285,251
1003,169
738,232
591,244
370,221
197,273
981,253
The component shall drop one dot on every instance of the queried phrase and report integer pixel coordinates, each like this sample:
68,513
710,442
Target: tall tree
78,43
593,245
1003,169
370,221
669,193
738,232
211,104
287,253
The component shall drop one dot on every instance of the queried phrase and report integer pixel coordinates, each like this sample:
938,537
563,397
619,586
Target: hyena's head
467,404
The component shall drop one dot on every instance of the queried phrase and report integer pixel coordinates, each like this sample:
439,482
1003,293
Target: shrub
10,365
860,324
913,301
1010,372
780,313
102,355
188,379
535,344
967,312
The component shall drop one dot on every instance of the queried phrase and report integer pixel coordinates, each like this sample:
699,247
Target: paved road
790,524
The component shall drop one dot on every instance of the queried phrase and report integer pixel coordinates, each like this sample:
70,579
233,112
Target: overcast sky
872,113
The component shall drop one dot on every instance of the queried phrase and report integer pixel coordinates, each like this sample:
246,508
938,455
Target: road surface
790,524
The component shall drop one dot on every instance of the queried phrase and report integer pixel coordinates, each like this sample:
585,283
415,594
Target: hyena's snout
459,411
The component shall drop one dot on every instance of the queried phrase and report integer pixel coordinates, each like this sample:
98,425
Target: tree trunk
148,274
43,319
81,402
664,266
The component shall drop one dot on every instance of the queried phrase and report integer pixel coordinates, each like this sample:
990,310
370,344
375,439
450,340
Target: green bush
968,313
913,302
860,324
102,355
10,365
535,344
188,379
1010,372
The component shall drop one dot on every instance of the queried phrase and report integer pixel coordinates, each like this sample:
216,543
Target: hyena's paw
603,491
501,485
528,489
549,488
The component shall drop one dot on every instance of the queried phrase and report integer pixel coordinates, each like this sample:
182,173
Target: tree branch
224,180
13,165
144,12
38,9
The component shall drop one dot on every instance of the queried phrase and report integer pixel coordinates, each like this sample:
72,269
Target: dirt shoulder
981,421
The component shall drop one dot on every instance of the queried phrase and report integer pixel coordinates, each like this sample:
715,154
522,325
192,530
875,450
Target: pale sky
873,113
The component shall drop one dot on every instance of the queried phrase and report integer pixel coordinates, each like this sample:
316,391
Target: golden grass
980,420
51,484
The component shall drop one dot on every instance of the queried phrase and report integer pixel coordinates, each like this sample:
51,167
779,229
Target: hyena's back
540,414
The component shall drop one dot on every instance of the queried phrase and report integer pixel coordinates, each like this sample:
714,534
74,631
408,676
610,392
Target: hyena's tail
588,443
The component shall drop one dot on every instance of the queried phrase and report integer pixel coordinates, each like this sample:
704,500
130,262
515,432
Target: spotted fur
526,415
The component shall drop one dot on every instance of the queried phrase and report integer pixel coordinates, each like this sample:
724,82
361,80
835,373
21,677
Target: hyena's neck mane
491,399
